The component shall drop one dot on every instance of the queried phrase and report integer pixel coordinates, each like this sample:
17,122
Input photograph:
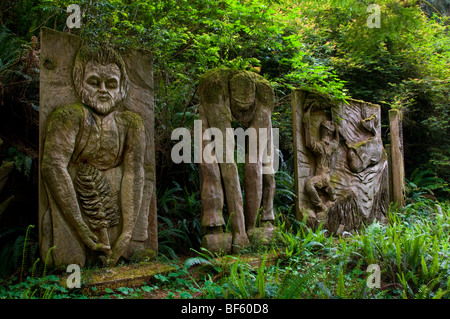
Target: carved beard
98,106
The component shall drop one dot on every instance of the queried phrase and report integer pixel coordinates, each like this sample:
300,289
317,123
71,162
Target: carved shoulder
131,120
265,93
67,117
62,129
135,139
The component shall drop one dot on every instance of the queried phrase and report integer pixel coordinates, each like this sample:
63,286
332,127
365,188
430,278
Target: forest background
322,45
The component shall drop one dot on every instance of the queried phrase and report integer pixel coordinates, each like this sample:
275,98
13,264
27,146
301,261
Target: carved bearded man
89,144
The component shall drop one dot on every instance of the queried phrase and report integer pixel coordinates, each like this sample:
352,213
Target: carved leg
212,197
103,239
211,188
253,192
231,185
312,192
268,179
234,202
267,197
129,220
331,192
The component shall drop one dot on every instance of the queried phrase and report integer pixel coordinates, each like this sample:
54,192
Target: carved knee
310,186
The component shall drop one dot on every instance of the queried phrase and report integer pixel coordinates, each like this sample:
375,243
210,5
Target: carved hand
88,237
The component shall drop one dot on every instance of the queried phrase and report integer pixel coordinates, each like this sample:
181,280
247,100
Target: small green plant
32,286
179,226
24,251
424,183
210,262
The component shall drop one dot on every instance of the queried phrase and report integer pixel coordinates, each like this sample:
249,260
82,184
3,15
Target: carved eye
112,84
93,81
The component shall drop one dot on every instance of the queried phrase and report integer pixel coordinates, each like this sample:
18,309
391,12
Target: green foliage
34,287
284,198
10,49
179,227
413,262
24,251
209,262
425,183
298,285
22,162
408,250
19,249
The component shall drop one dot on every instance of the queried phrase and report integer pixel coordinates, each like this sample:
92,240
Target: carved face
327,130
101,86
242,92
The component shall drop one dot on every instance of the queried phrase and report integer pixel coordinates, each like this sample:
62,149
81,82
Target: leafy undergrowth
411,253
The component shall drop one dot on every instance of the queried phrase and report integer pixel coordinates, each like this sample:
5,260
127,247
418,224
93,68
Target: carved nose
102,88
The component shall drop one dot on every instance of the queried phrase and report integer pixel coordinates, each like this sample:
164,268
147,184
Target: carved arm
61,132
132,181
306,122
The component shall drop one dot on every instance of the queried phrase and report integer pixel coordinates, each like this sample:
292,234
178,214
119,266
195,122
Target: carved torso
101,140
323,151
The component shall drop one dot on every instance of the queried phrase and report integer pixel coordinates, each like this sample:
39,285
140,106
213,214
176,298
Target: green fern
34,268
194,261
46,261
48,292
261,278
295,286
285,196
24,251
422,183
239,281
341,291
10,49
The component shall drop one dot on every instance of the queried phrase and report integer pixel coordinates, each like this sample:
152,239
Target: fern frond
24,251
48,293
194,261
295,286
46,260
34,268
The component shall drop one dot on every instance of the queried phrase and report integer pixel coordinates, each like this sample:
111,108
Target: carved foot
240,241
214,230
119,248
262,235
218,242
107,253
322,212
105,260
132,248
267,224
